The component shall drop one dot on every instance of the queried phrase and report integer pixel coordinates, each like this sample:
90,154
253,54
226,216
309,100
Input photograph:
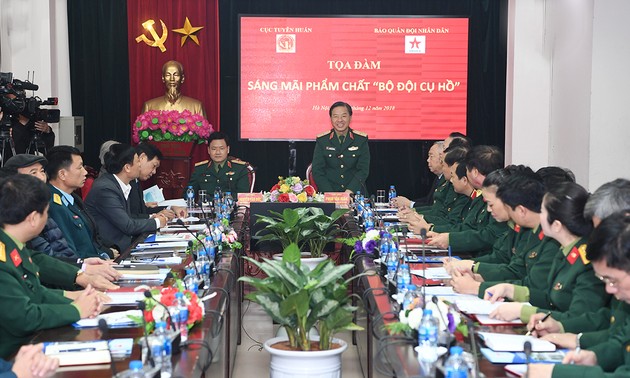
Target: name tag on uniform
353,148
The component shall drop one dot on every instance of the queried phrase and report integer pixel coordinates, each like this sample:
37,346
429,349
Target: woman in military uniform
572,288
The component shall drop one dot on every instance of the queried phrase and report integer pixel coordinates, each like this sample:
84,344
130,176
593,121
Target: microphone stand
473,345
102,326
181,223
423,237
142,307
527,348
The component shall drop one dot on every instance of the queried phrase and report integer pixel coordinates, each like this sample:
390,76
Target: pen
449,253
577,346
540,321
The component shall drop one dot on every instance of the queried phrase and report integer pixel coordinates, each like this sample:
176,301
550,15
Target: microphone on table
102,326
473,344
181,223
142,307
423,237
435,300
177,340
527,348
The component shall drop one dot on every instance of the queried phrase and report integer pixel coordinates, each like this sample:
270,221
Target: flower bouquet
223,235
166,295
292,189
171,125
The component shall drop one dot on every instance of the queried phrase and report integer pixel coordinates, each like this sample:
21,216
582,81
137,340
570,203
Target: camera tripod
6,141
36,146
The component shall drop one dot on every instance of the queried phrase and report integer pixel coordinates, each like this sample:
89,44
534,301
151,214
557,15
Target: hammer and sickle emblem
157,40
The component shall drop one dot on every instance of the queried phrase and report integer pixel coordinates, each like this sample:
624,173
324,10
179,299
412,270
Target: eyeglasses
608,281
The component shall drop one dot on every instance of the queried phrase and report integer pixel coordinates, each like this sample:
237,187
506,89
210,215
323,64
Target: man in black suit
108,203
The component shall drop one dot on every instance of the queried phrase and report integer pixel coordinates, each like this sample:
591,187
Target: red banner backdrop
200,61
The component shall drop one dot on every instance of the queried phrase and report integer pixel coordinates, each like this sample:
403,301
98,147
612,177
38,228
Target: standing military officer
341,160
229,175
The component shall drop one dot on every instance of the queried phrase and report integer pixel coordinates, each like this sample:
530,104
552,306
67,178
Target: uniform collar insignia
582,250
332,133
16,258
229,164
57,198
573,255
541,235
517,228
3,252
351,134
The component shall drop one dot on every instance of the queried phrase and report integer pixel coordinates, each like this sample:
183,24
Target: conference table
220,328
385,355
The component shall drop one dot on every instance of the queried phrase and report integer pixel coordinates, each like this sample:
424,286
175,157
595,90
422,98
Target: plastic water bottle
406,274
173,310
428,343
136,370
410,295
401,288
229,200
204,268
164,338
392,195
392,263
190,197
182,320
455,366
190,281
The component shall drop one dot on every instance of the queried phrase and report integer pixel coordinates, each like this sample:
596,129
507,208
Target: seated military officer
341,160
229,175
28,306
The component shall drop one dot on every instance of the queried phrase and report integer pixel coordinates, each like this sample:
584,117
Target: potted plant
299,298
305,226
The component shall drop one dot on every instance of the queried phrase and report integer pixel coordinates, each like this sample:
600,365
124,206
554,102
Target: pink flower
293,198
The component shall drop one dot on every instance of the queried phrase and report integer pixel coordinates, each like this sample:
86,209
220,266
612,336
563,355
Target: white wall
34,38
567,100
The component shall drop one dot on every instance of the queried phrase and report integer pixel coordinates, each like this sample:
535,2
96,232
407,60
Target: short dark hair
338,104
459,139
485,159
460,171
59,157
118,156
217,135
498,177
565,203
552,176
20,195
610,241
524,188
150,150
455,155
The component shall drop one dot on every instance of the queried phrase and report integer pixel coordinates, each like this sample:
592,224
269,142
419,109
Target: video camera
14,102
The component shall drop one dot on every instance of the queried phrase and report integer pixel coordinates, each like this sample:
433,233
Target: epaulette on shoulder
238,161
360,133
201,163
323,134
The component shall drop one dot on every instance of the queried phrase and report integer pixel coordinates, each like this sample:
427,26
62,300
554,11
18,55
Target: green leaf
291,254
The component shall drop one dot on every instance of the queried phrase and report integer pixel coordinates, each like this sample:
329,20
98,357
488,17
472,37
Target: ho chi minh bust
173,78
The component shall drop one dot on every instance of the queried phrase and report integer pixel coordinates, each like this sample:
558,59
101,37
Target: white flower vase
306,259
299,364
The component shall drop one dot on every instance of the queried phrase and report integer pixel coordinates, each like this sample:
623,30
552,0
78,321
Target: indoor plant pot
301,364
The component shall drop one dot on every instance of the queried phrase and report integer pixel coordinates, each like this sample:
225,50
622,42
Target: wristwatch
79,273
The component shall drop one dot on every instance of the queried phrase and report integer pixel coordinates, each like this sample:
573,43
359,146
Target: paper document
432,273
172,202
167,260
520,358
488,321
153,238
475,305
158,245
114,319
190,219
153,194
125,298
145,277
501,342
192,227
439,291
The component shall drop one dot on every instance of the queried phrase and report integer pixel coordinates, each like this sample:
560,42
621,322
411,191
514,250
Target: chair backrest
309,176
251,173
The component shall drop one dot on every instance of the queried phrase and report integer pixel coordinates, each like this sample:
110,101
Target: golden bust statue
173,78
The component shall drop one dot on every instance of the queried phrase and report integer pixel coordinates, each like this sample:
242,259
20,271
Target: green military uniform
530,265
477,231
341,165
439,196
449,209
75,225
612,351
231,176
55,273
28,306
572,287
600,325
503,249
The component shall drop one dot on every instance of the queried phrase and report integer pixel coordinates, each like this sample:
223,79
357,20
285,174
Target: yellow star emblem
188,31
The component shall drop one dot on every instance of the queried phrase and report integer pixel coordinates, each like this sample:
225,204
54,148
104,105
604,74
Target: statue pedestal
175,168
